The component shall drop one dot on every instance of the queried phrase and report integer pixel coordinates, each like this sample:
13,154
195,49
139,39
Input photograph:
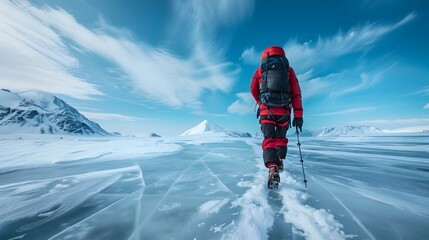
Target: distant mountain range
42,113
205,127
359,130
208,128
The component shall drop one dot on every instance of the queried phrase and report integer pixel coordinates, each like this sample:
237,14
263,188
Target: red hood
271,51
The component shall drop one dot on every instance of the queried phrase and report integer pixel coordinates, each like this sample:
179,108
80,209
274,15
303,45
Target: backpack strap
266,63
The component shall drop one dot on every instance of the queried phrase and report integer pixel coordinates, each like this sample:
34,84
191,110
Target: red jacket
294,85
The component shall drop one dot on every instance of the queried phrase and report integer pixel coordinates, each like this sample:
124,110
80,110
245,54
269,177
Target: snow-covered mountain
304,133
205,127
360,130
42,113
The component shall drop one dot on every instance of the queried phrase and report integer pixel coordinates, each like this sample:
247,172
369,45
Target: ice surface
31,151
211,187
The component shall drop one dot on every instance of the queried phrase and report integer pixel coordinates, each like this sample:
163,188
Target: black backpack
274,89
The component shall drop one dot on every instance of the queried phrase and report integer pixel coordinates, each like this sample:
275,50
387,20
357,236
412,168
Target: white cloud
426,106
312,86
352,110
34,56
155,73
214,12
308,55
250,56
244,105
423,91
367,79
108,116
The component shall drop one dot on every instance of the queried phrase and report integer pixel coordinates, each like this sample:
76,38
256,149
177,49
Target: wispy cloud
250,56
352,110
307,55
215,13
426,106
245,104
34,56
368,79
316,85
155,73
423,91
108,116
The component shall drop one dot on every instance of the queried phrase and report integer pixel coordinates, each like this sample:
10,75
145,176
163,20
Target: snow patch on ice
212,206
256,215
219,228
201,224
314,223
245,184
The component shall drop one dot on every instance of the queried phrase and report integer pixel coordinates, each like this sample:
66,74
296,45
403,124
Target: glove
297,122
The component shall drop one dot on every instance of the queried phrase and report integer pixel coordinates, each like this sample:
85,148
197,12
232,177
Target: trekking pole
300,154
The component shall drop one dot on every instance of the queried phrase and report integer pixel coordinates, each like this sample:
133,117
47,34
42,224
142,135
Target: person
275,107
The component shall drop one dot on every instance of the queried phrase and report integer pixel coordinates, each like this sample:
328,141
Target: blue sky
164,66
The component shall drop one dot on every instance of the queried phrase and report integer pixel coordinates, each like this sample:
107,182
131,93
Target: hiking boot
273,177
281,164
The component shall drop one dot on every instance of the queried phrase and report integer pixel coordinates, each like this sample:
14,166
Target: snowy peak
9,99
41,100
206,127
360,130
41,113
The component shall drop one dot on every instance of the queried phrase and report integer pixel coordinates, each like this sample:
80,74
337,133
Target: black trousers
274,145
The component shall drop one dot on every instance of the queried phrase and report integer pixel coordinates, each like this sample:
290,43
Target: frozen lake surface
212,188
